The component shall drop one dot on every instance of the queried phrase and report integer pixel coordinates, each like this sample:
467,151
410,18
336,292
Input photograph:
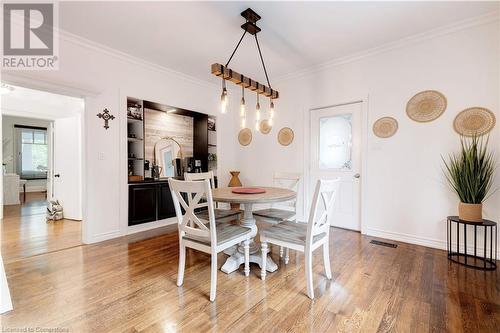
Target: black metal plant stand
484,259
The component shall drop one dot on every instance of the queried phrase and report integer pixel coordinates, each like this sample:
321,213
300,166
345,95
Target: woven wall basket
245,137
426,106
385,127
264,127
285,136
474,121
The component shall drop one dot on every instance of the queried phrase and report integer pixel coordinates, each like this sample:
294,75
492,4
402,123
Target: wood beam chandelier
225,73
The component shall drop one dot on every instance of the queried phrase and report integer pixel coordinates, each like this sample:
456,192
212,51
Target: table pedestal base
237,258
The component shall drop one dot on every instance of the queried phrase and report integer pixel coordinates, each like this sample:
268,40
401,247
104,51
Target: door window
335,142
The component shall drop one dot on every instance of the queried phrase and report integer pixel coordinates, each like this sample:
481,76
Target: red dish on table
248,190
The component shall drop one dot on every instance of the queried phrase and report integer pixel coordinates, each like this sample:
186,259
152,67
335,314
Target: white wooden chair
221,215
199,235
306,237
282,211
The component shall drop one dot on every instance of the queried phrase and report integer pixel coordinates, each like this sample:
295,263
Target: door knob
357,175
57,175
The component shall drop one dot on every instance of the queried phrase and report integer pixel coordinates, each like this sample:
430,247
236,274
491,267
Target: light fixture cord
262,60
238,45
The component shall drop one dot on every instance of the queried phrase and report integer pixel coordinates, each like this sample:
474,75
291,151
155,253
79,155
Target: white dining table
236,254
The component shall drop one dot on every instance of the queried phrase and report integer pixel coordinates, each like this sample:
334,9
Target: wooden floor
128,285
24,231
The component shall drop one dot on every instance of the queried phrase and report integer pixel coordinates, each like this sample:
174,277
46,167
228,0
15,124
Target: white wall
406,197
9,140
105,78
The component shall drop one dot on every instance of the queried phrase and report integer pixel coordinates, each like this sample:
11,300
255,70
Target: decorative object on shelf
485,258
211,124
245,136
474,121
106,116
249,190
426,106
134,111
385,127
265,127
285,136
234,182
245,82
470,174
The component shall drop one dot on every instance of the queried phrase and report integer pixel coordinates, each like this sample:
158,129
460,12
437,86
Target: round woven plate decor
426,106
285,136
245,136
474,121
264,127
385,127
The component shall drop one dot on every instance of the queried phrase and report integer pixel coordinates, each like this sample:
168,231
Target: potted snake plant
470,175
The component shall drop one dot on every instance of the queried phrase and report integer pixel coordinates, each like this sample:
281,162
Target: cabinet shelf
134,139
133,120
135,159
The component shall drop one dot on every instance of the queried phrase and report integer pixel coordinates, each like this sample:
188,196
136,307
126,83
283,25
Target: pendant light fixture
245,82
223,98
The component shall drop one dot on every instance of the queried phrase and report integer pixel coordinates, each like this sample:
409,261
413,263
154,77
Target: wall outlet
101,156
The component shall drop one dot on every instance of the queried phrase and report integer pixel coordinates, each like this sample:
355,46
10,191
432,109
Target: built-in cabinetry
150,199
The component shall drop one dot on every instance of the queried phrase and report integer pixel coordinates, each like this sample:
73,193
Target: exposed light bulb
223,100
271,112
257,114
242,103
242,107
270,121
243,122
257,127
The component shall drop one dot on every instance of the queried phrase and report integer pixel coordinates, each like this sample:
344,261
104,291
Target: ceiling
189,36
24,102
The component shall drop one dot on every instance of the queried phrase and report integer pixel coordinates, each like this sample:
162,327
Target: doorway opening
42,163
335,151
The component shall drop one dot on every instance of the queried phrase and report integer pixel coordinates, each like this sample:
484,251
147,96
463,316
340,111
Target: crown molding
98,47
417,38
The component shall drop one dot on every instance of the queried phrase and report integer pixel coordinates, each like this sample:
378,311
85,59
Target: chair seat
219,214
290,232
225,233
275,213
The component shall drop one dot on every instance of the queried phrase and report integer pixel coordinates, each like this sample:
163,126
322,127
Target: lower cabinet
149,202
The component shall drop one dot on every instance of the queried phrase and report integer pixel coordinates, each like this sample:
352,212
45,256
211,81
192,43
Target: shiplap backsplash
159,124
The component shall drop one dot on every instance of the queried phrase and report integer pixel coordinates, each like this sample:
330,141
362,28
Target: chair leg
247,257
287,255
213,277
309,277
264,261
182,263
326,260
281,251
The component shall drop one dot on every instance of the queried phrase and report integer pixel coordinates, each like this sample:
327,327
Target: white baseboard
151,225
103,237
418,240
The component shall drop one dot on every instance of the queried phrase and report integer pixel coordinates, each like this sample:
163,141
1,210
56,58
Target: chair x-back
197,234
306,237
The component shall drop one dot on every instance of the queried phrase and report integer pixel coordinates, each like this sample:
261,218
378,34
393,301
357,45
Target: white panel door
336,153
66,173
50,164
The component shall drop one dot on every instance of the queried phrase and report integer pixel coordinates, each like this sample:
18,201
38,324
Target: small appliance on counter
178,169
189,164
197,166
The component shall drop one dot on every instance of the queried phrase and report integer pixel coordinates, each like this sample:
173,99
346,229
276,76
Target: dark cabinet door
165,203
141,204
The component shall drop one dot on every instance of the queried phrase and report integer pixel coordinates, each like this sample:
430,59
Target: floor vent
376,242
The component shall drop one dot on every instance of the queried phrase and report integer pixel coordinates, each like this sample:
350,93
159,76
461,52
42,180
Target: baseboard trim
417,240
103,237
151,225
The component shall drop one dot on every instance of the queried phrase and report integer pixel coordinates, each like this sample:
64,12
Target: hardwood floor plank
129,285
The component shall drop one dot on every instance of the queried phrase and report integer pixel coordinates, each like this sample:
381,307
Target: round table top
484,222
272,194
